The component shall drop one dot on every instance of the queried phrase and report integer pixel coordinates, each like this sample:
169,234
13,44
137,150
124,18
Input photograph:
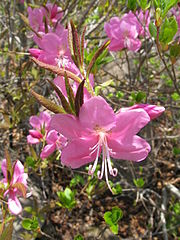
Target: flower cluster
15,184
126,32
41,133
88,126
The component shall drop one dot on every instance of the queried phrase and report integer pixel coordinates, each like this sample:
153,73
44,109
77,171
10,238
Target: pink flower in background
41,125
19,177
52,12
123,33
55,141
98,129
35,17
152,110
142,23
176,13
54,49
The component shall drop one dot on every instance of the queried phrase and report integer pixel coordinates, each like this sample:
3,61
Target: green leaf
26,223
30,161
175,96
76,180
139,182
167,5
175,50
64,102
168,30
66,198
117,214
30,224
132,5
176,151
112,217
140,96
114,228
117,189
153,30
79,237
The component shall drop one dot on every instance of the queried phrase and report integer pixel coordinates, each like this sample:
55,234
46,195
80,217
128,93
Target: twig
163,219
173,190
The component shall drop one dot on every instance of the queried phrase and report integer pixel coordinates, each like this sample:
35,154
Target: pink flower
35,17
142,22
123,33
98,129
19,177
52,12
176,13
152,110
41,125
55,141
54,49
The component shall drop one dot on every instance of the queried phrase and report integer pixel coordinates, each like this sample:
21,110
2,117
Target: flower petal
18,171
66,124
34,121
48,150
96,113
77,153
152,110
134,149
52,137
129,123
13,204
32,140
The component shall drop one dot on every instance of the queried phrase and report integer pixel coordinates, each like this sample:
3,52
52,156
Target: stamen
93,168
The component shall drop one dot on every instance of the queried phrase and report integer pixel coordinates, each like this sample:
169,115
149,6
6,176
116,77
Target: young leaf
47,103
76,45
70,93
96,55
7,233
168,30
21,188
57,70
64,102
82,45
79,99
153,30
8,166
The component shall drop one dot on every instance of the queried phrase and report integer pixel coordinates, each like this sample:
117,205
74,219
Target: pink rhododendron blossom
41,125
142,22
54,50
55,141
12,191
98,129
152,110
35,17
50,13
123,33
